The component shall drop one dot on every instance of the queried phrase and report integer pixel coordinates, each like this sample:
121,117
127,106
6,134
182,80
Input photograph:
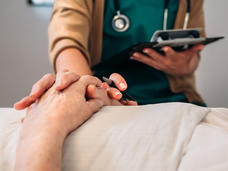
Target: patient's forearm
40,148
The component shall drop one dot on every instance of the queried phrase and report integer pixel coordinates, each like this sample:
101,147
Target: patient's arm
52,118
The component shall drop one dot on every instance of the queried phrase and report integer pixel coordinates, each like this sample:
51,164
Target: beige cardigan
79,24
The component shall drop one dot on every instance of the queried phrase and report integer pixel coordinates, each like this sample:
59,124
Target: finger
197,48
104,85
37,90
151,53
132,103
142,58
119,81
86,80
42,85
194,50
169,51
91,91
148,61
114,93
99,93
129,103
25,102
64,79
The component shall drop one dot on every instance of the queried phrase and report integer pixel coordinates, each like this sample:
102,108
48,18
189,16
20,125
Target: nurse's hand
172,63
64,80
114,93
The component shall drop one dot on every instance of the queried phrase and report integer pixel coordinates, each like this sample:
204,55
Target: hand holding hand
65,79
66,109
51,118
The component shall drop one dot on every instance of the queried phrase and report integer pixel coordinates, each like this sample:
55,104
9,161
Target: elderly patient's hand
69,108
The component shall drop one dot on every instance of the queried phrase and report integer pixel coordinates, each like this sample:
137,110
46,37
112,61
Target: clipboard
179,40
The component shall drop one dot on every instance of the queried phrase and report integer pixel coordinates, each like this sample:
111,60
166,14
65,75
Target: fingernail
104,85
117,93
135,54
165,48
122,85
145,51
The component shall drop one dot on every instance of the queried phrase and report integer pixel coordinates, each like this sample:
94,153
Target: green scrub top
146,16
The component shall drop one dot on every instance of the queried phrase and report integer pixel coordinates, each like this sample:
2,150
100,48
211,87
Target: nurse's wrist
73,60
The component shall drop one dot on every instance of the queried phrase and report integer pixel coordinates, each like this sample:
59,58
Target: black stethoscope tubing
117,5
167,4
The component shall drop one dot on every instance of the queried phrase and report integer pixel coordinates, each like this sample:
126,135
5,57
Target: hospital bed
161,137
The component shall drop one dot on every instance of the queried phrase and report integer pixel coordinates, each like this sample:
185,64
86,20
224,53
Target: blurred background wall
24,51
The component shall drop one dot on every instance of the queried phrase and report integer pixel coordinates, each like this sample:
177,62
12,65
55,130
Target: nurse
82,33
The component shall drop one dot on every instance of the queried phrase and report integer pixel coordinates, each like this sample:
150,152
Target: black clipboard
123,58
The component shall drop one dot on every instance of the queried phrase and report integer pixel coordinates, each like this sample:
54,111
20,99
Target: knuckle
34,86
86,77
49,75
74,75
98,81
65,76
38,85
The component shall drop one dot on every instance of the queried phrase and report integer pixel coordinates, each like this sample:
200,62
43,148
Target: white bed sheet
207,150
153,137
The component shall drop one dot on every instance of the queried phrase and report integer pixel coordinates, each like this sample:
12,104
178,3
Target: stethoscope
121,22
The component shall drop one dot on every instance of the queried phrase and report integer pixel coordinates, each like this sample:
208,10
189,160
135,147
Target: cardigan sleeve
196,19
69,27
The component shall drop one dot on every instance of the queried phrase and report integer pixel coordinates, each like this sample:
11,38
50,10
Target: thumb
94,92
91,91
197,48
